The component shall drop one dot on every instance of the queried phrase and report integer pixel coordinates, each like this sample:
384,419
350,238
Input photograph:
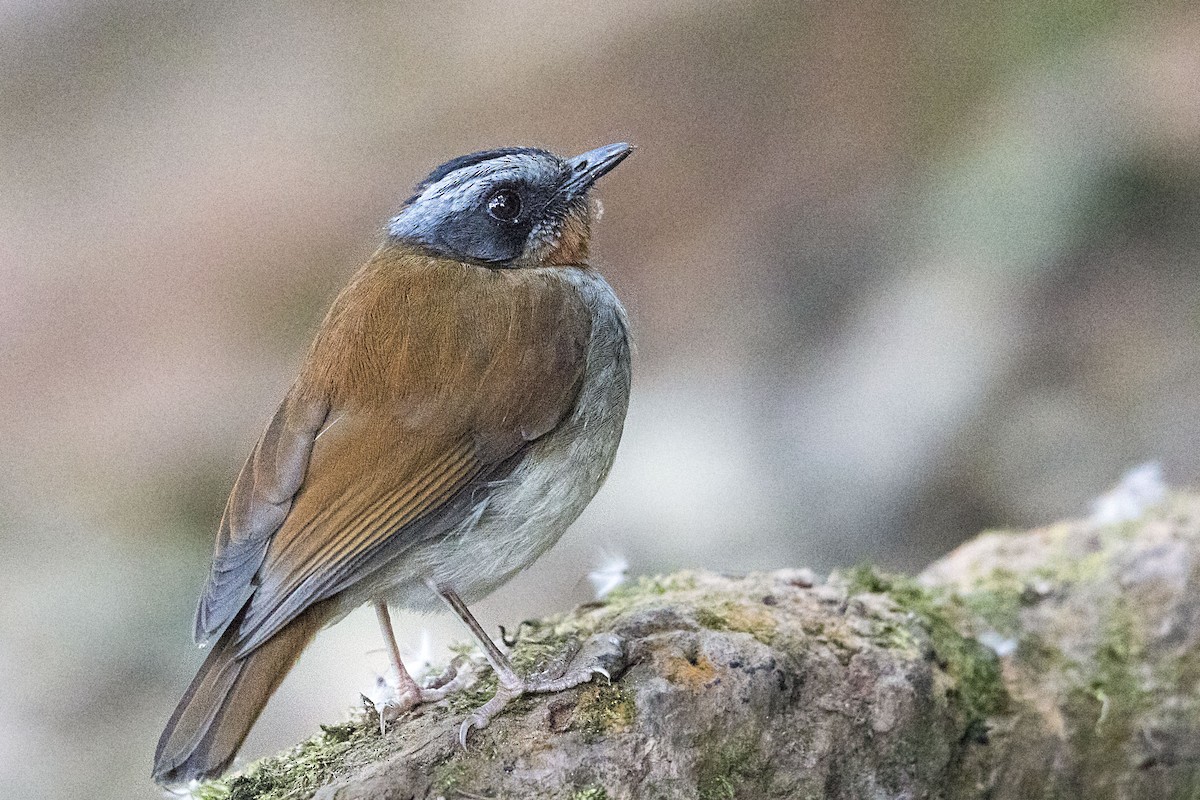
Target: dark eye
505,205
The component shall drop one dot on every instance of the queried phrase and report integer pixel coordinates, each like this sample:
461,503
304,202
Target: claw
464,730
606,649
397,702
396,707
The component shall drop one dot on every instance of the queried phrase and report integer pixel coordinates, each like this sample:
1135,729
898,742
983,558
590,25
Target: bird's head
514,207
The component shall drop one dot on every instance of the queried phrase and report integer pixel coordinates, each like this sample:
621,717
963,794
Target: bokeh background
897,272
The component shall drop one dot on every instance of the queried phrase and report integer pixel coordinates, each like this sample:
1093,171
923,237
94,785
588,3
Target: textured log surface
1059,663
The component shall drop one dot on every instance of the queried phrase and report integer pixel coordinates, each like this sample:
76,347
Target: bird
459,406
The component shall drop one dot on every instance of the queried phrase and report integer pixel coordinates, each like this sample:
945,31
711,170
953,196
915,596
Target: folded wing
426,379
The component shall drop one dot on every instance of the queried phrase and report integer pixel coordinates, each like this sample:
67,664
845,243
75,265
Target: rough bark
1059,663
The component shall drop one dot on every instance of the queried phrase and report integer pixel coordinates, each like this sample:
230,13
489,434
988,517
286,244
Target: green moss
451,775
604,709
540,645
1063,565
1103,710
296,772
1039,656
974,668
591,792
469,698
726,768
865,578
211,790
1182,672
726,615
650,586
1069,569
536,653
997,600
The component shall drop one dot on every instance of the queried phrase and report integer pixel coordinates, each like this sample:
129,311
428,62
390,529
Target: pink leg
408,693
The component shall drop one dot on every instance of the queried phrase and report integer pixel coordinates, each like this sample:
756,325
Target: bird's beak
588,168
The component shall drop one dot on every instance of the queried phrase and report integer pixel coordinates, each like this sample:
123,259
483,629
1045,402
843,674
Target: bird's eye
505,205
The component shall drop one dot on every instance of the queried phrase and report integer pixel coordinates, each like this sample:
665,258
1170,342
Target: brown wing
436,373
369,485
258,505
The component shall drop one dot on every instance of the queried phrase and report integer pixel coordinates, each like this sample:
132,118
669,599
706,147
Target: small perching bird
460,406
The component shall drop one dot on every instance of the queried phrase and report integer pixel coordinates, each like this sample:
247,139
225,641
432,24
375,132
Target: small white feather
609,575
1140,489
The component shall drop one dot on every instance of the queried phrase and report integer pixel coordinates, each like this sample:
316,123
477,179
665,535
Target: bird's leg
404,682
589,661
407,694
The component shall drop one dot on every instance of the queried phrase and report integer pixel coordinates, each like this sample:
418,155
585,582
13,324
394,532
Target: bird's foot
400,699
602,654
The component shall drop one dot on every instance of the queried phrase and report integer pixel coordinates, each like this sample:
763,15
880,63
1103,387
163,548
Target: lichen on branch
1062,662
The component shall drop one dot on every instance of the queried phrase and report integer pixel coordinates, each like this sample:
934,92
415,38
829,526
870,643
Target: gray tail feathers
225,699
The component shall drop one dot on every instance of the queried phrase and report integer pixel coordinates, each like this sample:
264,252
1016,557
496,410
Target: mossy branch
1061,663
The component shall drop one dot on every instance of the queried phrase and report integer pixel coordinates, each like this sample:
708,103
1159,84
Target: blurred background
897,272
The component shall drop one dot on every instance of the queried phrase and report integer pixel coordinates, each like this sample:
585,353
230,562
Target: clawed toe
397,705
449,675
598,655
486,712
398,701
